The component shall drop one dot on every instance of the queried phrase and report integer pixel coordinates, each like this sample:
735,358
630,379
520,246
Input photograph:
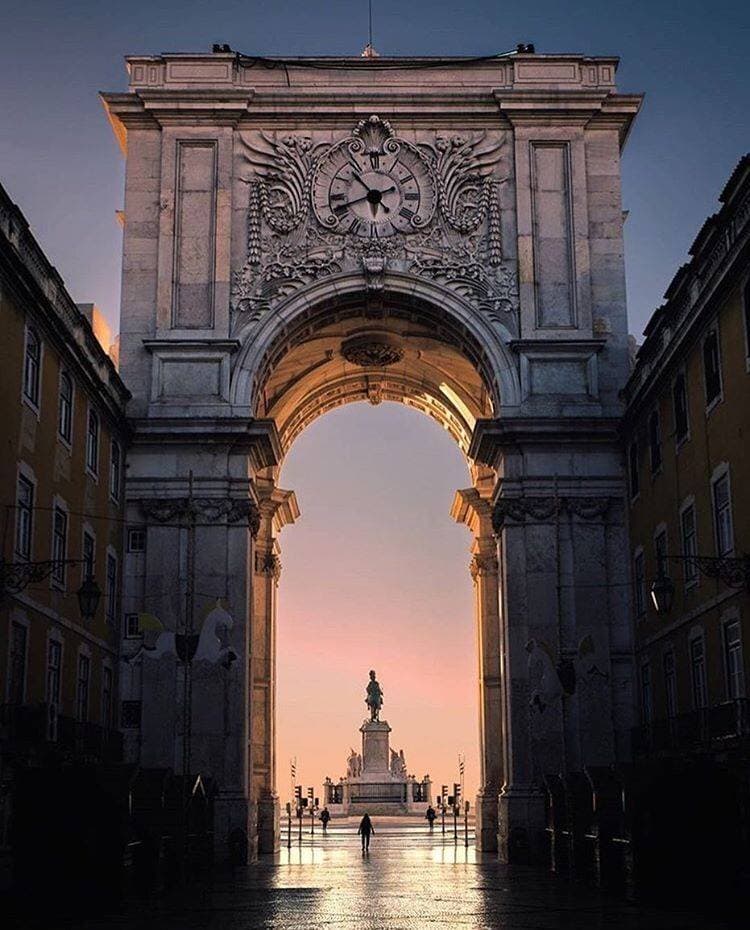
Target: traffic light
457,792
310,793
298,794
444,792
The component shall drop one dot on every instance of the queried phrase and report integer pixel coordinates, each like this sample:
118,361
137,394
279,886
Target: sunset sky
375,573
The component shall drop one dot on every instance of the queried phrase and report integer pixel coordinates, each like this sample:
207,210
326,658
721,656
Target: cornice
259,439
491,438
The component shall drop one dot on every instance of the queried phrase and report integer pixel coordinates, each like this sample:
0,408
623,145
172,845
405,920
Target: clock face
373,194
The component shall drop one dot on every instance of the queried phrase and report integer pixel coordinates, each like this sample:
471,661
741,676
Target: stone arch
455,323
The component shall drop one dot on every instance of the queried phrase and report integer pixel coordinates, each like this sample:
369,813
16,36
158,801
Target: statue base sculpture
377,782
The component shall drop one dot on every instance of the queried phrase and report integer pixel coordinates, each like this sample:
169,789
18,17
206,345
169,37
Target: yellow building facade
63,440
687,442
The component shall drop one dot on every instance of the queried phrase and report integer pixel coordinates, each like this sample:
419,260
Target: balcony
36,732
705,730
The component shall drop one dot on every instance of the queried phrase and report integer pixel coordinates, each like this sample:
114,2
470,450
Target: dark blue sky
59,162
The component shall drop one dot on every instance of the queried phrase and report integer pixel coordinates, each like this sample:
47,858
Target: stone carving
353,765
481,565
398,764
372,352
268,563
542,509
202,509
296,235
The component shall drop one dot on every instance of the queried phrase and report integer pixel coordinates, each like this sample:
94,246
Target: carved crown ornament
371,202
203,510
372,351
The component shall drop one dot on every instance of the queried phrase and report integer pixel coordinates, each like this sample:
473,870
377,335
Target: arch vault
446,234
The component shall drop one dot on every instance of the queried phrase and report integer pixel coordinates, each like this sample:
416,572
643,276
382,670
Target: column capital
277,506
474,510
483,564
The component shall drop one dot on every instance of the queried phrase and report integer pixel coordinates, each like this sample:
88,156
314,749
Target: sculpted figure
351,764
374,699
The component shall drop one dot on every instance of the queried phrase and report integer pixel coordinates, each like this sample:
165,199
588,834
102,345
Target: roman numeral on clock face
406,213
341,209
411,195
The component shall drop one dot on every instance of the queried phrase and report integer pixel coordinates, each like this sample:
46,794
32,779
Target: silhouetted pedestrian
325,816
430,816
365,829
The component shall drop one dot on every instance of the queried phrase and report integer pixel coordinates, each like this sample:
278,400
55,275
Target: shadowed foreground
409,881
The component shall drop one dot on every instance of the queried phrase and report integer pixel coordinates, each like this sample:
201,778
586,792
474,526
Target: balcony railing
700,730
37,730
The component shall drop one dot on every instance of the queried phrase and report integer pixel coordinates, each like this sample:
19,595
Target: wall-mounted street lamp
734,572
16,576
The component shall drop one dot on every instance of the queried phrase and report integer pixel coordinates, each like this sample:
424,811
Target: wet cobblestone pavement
409,881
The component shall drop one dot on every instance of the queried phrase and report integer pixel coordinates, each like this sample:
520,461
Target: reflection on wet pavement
409,881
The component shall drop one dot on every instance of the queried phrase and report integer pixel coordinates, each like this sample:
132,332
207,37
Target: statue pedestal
376,755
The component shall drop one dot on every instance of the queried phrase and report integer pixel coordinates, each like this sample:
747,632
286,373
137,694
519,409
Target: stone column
475,511
277,508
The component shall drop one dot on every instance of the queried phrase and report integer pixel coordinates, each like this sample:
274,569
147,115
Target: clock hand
388,190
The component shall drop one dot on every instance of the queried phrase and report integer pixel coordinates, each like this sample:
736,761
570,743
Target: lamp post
15,577
733,571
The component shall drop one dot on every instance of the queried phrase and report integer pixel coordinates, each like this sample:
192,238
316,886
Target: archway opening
375,576
431,356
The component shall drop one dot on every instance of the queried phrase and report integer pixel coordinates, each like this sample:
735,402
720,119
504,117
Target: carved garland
543,509
231,510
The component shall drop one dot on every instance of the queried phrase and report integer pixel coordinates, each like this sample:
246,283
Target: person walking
325,816
430,816
365,829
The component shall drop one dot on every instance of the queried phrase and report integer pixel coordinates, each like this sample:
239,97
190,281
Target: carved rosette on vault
373,202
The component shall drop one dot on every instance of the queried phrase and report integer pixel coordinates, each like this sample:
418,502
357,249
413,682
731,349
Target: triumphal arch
304,233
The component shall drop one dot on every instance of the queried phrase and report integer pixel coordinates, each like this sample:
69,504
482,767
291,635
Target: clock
373,191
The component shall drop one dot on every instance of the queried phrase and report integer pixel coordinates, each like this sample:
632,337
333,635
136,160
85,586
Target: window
679,399
735,667
723,516
137,539
89,555
633,469
670,683
65,408
32,366
639,580
59,544
24,516
92,443
689,544
660,551
711,367
698,672
654,440
106,697
17,662
54,665
115,470
132,626
111,589
646,702
82,688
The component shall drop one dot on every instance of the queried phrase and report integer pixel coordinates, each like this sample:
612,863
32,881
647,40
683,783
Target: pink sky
375,575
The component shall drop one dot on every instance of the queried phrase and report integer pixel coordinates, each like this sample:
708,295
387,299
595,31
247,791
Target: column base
268,825
521,836
232,829
486,819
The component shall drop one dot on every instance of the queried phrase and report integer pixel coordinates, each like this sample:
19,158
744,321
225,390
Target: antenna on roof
369,51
